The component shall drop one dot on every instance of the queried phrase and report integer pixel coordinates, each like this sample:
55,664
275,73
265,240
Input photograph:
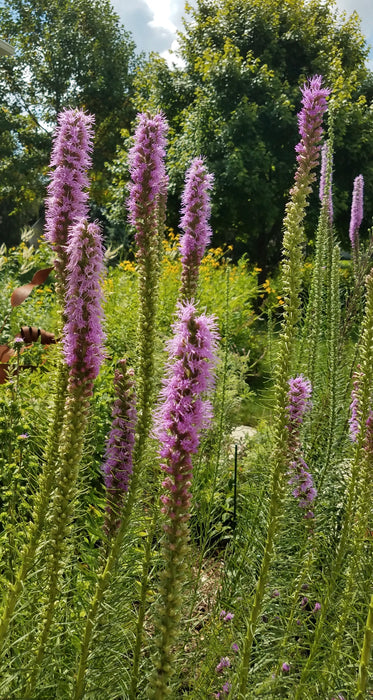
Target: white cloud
161,10
170,55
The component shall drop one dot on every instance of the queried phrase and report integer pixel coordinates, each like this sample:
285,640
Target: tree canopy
236,100
69,53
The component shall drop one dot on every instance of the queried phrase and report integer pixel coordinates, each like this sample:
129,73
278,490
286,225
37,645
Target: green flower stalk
83,338
181,416
310,127
313,324
65,204
146,213
357,507
360,489
147,205
365,656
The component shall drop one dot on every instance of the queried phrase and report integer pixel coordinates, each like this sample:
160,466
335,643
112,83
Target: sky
153,23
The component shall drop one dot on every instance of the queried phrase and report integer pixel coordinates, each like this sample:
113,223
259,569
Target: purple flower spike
149,179
83,334
67,200
356,211
310,124
285,667
184,412
299,395
118,466
196,211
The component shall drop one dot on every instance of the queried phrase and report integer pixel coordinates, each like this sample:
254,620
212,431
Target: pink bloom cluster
226,616
83,334
196,211
357,210
184,411
223,663
299,398
118,465
310,123
148,173
67,192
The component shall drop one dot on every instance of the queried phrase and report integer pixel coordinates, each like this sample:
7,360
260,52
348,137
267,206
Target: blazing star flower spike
67,200
148,173
357,210
184,412
314,105
195,211
299,395
118,465
83,335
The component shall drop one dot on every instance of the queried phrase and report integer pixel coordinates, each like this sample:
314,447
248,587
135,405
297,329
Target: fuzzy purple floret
299,398
183,411
223,663
314,105
324,163
195,211
67,192
148,173
357,211
83,333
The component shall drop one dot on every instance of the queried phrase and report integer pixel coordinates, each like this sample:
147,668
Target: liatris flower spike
196,211
149,179
298,403
181,416
67,200
299,396
356,211
117,467
82,339
310,125
83,335
184,413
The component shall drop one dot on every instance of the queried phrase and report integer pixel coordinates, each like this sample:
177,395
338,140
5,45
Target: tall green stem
71,451
41,503
358,504
365,655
